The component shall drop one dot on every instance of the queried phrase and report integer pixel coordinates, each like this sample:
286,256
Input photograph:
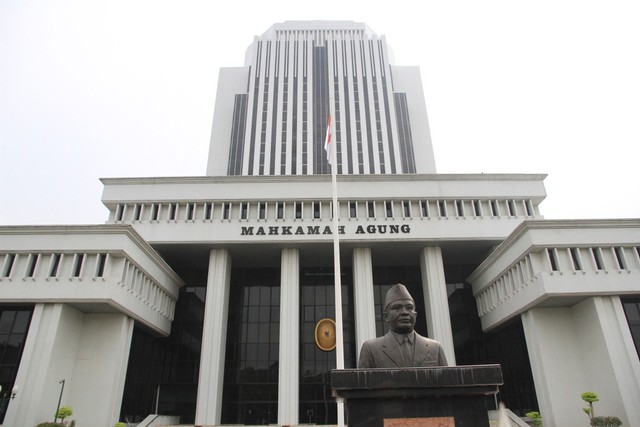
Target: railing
71,266
185,211
557,261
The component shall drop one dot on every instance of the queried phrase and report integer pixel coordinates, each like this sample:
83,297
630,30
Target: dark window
477,209
529,207
406,206
494,208
136,212
8,265
55,263
236,149
575,258
320,110
387,116
632,311
119,212
620,260
506,346
424,205
31,266
14,324
404,133
553,259
102,260
317,302
77,267
442,208
597,257
388,206
371,209
353,209
166,368
250,393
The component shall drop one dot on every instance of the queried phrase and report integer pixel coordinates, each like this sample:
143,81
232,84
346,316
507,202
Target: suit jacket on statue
384,352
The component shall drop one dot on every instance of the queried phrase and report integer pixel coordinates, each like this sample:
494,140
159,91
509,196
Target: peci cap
395,293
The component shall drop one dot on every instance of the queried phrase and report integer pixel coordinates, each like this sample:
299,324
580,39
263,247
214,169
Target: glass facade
506,347
317,302
162,375
404,133
163,372
14,324
250,393
632,311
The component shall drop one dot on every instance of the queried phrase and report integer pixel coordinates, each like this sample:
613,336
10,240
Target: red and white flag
328,146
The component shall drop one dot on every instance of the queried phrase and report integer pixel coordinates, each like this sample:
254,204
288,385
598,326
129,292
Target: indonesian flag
328,146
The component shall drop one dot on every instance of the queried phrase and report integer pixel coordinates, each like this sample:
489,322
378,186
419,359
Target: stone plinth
417,397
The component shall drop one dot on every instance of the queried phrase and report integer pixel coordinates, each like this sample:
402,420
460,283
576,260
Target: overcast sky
92,89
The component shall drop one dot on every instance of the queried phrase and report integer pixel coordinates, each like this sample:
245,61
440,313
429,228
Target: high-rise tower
271,115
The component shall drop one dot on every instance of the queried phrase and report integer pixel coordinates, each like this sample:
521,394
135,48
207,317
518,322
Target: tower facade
271,115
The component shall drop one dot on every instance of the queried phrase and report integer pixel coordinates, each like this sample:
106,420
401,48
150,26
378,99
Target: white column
43,364
214,339
100,369
594,335
436,302
89,351
288,376
625,365
363,297
551,343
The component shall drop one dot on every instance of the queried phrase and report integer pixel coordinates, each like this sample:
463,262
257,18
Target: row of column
214,338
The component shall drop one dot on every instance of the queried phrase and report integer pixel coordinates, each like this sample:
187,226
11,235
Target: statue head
400,309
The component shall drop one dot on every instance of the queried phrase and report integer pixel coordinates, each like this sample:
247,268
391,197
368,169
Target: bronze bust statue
402,346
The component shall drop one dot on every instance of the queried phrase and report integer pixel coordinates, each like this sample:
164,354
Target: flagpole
336,265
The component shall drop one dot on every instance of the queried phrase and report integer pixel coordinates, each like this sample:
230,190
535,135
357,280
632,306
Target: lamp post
2,402
5,400
59,400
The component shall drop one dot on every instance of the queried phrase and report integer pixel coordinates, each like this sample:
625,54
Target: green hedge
606,422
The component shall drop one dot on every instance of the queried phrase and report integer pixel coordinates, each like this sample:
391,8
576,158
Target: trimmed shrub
64,412
535,417
606,422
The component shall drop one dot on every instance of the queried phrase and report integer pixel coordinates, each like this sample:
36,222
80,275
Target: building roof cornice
92,229
323,178
529,226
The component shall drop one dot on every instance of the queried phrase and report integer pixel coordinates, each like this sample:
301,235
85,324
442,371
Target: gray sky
92,89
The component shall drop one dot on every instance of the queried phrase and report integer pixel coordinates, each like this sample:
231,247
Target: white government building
197,290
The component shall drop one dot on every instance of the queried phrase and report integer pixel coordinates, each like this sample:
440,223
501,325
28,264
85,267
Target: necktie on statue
407,352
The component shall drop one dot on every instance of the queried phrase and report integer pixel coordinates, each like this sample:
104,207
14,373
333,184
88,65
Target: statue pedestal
417,397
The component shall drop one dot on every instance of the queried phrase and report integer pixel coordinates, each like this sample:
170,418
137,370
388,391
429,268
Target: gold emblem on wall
326,334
